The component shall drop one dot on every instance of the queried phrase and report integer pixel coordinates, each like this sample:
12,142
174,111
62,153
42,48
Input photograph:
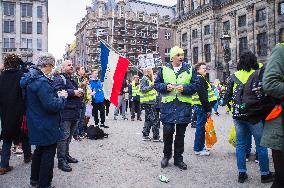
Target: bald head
67,67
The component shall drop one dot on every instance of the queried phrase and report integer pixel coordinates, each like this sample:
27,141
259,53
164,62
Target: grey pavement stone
123,160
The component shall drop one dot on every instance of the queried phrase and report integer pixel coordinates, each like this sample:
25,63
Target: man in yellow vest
148,96
176,83
203,102
134,93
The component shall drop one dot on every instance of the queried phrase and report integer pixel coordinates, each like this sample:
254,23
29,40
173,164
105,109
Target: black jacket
203,94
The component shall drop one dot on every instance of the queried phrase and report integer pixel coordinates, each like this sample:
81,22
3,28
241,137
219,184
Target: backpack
94,133
250,102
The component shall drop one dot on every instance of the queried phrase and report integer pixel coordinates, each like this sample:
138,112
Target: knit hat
176,50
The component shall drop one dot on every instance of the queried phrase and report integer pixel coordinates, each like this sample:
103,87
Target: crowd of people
54,107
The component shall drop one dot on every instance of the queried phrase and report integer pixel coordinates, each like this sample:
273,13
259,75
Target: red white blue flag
114,68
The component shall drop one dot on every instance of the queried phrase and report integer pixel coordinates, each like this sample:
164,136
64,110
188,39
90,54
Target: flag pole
105,43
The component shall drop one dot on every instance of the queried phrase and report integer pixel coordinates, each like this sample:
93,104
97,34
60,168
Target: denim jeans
63,145
81,121
6,153
201,118
122,104
168,132
243,129
42,165
151,120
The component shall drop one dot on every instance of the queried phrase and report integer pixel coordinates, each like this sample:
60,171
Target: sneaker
124,118
19,150
157,140
146,138
217,113
242,177
268,178
104,126
140,119
115,118
202,153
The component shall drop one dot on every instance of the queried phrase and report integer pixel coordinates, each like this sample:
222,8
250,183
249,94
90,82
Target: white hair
44,58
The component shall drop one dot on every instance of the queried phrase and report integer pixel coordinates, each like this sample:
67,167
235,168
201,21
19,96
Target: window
243,44
9,26
260,14
39,11
242,21
9,43
167,35
206,2
27,27
100,12
26,43
154,35
141,17
194,34
39,44
181,7
262,44
207,30
281,32
167,21
281,8
226,26
194,4
39,28
195,55
167,51
184,39
121,11
9,8
154,19
207,52
26,10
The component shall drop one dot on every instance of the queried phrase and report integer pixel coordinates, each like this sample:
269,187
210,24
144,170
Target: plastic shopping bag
89,109
210,133
232,137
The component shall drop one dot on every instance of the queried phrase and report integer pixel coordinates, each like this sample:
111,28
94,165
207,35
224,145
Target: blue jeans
80,124
201,118
243,129
6,153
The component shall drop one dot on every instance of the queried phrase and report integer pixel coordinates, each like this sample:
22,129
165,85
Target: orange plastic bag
276,112
210,133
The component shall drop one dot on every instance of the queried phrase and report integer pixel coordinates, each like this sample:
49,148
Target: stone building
23,27
131,27
207,28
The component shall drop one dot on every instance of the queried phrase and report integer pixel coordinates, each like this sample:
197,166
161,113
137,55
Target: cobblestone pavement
124,160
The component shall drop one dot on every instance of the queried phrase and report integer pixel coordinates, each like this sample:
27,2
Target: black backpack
250,103
94,133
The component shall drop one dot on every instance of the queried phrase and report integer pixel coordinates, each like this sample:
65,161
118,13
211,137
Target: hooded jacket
43,108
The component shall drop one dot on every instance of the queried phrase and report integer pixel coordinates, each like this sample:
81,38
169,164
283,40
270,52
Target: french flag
114,68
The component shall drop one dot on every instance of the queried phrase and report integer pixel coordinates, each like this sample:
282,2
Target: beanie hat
176,50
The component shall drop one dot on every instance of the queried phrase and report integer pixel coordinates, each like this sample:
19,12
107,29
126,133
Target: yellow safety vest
135,89
211,95
148,96
170,77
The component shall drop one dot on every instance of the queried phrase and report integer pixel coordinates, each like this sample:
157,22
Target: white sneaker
204,153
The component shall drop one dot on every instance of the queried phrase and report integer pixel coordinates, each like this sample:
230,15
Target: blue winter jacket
176,112
73,104
97,87
42,108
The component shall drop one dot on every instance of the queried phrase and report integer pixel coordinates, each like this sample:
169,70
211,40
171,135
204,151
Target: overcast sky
63,17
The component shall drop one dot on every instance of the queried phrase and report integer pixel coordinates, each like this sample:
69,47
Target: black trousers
278,160
168,132
107,104
135,107
99,107
42,165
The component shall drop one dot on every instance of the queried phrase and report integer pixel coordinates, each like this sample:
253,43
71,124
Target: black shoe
104,126
181,165
268,178
63,165
77,138
242,177
70,159
165,162
139,119
33,183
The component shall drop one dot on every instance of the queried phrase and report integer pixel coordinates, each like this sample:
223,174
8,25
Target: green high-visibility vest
135,89
170,77
148,96
211,95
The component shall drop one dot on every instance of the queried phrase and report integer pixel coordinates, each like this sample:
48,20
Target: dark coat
71,110
11,104
177,112
43,108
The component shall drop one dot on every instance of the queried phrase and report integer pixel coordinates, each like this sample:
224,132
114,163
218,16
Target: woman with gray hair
43,105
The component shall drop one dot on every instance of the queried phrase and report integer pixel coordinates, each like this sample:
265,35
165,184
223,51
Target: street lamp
226,40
